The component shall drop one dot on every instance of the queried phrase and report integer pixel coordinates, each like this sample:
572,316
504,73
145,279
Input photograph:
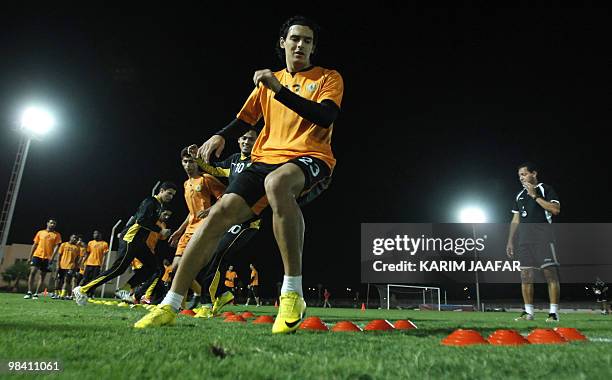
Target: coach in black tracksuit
535,205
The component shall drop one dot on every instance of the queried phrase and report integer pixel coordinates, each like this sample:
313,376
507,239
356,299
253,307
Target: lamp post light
35,122
474,215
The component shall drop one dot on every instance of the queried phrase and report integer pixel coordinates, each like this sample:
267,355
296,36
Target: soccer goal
409,296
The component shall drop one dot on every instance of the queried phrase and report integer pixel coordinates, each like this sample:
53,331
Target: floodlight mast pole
10,199
476,271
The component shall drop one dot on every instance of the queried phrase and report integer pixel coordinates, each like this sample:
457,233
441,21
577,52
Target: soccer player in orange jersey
80,271
292,164
68,257
94,257
201,190
253,287
46,243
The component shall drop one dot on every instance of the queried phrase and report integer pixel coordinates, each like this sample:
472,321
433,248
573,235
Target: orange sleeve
333,88
58,238
61,249
251,110
214,185
37,237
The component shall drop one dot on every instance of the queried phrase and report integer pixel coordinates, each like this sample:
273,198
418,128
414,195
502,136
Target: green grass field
98,341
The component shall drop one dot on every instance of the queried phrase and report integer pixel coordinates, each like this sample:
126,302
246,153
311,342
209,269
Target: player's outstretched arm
214,144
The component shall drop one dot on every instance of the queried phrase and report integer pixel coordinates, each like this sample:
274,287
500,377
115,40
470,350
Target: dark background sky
440,105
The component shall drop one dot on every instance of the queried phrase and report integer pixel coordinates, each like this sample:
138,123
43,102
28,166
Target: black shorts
64,274
41,264
537,255
91,272
250,183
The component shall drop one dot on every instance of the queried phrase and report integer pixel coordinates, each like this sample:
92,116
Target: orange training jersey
82,251
254,278
198,194
285,134
154,237
46,240
68,254
230,277
97,250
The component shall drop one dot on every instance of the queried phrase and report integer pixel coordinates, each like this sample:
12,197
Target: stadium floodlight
472,215
37,121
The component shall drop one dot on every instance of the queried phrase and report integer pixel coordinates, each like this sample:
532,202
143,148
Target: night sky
440,106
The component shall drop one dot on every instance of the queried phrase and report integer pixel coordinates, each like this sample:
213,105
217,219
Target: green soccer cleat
221,301
204,311
157,316
290,313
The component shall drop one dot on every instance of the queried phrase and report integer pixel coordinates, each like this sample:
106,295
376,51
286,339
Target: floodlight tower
474,215
35,123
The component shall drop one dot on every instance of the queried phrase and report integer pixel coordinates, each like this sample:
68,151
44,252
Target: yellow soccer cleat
204,311
157,316
221,301
290,313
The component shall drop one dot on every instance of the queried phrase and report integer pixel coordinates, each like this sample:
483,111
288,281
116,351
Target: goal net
395,296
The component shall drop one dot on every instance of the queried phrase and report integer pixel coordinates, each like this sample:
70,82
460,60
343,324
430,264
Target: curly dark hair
530,166
297,20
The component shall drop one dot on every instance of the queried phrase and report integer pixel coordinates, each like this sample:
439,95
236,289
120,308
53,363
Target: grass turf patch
98,341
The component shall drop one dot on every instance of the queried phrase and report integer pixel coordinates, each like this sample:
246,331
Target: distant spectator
326,296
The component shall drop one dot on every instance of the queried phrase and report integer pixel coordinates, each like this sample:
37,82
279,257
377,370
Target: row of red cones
513,338
315,323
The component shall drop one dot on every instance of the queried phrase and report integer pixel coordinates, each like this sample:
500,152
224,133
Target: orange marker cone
570,333
363,308
346,326
264,319
379,325
247,315
234,318
507,338
276,303
45,292
313,323
227,314
545,336
463,338
187,312
404,324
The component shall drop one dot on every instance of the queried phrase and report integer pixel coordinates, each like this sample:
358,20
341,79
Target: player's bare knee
527,276
550,274
227,212
280,189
